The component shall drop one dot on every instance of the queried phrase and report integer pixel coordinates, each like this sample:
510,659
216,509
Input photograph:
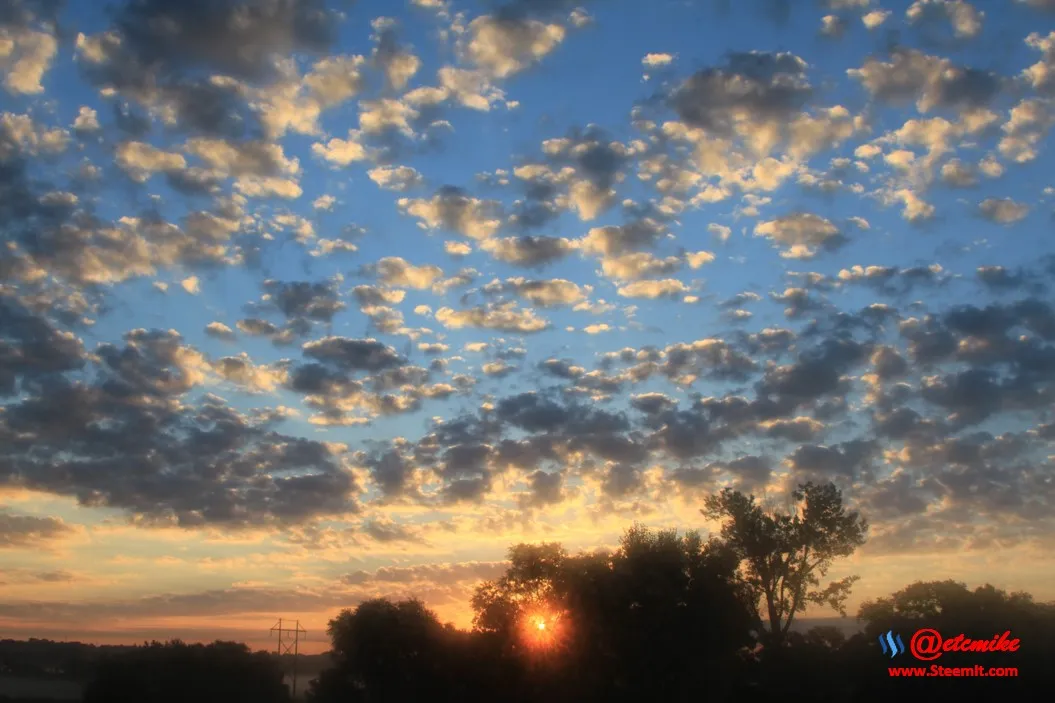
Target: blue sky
386,287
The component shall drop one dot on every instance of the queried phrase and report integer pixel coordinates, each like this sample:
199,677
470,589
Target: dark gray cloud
710,358
29,531
386,532
653,403
798,302
545,489
684,434
928,341
392,472
579,172
748,472
622,480
895,280
533,412
162,52
931,81
126,441
302,302
816,373
235,37
561,368
768,87
1001,279
31,346
846,459
529,251
354,354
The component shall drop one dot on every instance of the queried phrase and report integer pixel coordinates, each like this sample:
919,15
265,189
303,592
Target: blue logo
891,644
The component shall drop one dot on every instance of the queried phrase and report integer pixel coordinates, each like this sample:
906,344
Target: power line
285,646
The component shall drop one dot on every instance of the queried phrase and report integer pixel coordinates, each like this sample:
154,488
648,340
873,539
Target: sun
541,630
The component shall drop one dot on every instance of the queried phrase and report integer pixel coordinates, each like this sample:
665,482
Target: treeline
665,617
41,658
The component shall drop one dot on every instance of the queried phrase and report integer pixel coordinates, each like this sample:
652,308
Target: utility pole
285,646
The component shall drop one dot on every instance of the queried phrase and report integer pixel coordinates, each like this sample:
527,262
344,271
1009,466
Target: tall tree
784,555
385,651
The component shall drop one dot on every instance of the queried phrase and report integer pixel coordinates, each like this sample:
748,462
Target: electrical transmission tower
289,645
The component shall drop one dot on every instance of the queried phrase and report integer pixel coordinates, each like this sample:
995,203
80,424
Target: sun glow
541,630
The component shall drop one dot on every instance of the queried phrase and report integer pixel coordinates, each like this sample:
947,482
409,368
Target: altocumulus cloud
276,273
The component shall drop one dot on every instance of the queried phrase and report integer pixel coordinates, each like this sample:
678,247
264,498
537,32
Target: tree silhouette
385,651
783,555
174,672
950,608
658,618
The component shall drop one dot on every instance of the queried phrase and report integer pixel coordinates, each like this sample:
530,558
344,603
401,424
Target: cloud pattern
384,292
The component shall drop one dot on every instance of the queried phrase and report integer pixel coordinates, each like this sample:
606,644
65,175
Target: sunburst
542,629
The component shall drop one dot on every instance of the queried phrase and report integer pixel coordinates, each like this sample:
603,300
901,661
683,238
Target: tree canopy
783,555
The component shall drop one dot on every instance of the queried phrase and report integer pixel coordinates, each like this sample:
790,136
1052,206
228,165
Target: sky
303,303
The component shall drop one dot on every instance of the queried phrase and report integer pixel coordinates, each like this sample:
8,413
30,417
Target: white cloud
141,160
915,208
25,56
664,288
454,210
506,46
1029,123
699,258
457,248
219,330
802,233
721,232
875,18
631,267
506,317
545,293
191,284
966,20
324,202
87,120
341,152
398,178
396,271
657,60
